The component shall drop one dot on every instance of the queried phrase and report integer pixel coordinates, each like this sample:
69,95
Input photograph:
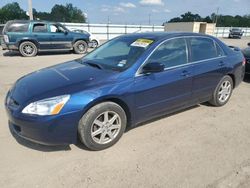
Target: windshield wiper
92,64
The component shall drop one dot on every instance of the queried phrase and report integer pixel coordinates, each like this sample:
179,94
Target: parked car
246,53
94,41
1,36
235,33
30,37
127,80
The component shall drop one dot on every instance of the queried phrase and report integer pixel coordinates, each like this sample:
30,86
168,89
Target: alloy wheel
106,127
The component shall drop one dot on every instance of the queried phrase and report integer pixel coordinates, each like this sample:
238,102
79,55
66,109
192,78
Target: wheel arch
116,100
233,78
77,39
28,40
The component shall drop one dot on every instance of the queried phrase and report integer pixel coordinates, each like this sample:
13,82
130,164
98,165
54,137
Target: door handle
185,73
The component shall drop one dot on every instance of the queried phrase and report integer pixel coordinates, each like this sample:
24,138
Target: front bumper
48,130
235,35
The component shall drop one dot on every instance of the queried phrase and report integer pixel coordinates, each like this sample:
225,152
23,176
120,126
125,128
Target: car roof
31,21
157,36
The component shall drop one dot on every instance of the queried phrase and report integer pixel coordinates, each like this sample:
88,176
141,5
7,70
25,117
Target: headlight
50,106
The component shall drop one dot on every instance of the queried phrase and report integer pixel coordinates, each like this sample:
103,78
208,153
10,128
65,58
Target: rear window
17,27
203,48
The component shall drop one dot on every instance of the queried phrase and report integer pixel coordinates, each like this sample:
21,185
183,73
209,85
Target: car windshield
118,54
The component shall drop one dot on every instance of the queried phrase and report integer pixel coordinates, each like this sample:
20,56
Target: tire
80,47
28,49
94,44
222,92
102,126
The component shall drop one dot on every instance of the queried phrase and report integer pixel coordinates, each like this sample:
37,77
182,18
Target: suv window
171,53
40,28
202,48
56,29
17,27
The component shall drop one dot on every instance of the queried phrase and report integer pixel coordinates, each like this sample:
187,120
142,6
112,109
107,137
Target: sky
141,11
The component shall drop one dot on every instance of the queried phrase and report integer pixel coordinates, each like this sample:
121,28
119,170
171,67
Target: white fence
224,31
109,31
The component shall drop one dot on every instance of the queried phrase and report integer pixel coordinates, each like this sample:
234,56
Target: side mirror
153,67
66,32
248,44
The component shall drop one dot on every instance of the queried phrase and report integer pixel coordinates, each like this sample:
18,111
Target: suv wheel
102,126
28,49
80,47
222,92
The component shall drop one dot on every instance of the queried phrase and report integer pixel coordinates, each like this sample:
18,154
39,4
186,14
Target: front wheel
102,126
222,92
80,47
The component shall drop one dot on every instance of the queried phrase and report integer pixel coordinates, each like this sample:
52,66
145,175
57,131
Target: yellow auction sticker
142,43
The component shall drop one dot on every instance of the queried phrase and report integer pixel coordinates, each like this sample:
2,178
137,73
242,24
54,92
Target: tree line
221,20
59,13
69,13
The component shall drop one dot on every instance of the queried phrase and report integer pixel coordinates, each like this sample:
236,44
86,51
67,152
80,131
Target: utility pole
30,9
217,14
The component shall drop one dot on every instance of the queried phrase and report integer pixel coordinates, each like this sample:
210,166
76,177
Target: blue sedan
127,80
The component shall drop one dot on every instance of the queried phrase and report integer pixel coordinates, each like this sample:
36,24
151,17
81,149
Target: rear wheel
102,125
80,47
28,49
222,92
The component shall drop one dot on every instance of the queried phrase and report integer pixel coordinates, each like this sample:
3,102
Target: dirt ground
200,147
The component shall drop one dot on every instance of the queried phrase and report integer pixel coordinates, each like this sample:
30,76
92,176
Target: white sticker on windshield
142,43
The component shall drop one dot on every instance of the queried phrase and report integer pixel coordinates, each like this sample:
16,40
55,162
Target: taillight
244,62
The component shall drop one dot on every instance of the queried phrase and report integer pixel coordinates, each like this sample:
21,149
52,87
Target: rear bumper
8,46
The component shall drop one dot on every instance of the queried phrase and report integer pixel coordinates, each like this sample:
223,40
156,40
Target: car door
209,64
166,90
41,35
60,39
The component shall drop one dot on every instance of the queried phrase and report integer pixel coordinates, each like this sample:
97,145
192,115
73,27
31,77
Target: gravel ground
199,147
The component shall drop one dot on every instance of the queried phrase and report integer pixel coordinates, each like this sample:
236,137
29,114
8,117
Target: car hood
61,79
80,34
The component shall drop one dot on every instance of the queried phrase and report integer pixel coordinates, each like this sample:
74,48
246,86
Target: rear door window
202,49
17,27
40,28
220,52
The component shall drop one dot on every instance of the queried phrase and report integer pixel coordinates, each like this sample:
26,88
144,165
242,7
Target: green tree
12,11
68,13
222,20
59,13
